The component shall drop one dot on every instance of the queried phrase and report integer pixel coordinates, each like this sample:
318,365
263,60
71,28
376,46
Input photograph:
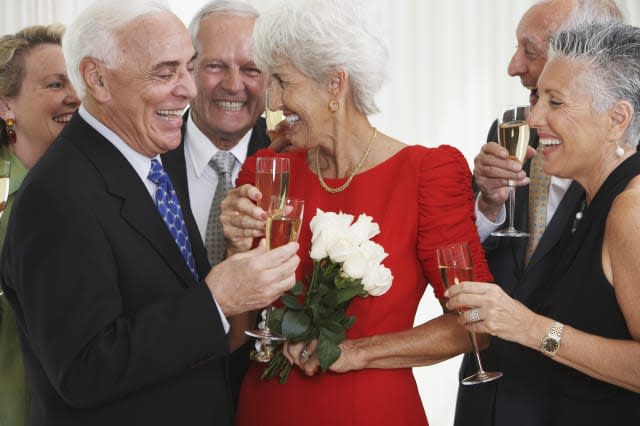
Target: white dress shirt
557,188
141,164
201,178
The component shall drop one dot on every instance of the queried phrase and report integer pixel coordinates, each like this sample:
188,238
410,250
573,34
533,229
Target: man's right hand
253,279
492,171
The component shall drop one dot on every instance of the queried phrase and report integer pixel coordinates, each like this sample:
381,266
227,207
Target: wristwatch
551,342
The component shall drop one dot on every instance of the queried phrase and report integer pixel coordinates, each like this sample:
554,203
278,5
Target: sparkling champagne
451,276
281,230
514,135
271,184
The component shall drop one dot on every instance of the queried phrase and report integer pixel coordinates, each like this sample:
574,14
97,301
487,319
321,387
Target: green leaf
276,320
346,294
332,331
295,323
297,289
328,352
291,302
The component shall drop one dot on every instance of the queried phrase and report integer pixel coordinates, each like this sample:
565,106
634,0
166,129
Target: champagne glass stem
476,352
267,318
512,205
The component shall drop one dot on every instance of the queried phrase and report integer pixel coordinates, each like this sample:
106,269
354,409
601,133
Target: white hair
321,36
594,12
610,53
228,7
92,33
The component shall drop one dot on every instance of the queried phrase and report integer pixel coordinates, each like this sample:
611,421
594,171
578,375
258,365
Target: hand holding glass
283,225
455,265
513,134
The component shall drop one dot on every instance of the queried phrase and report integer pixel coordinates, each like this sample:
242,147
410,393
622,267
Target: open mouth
292,119
233,106
63,118
170,113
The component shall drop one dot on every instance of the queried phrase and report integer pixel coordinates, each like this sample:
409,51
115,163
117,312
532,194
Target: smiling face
576,138
145,94
45,103
230,86
304,103
535,29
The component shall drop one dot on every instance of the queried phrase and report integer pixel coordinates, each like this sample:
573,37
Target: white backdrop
448,76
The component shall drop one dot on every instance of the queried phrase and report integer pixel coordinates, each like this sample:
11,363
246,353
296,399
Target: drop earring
11,129
619,150
334,106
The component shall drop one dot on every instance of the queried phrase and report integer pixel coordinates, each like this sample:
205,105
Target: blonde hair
13,48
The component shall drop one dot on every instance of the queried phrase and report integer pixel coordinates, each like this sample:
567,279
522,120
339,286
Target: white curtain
447,79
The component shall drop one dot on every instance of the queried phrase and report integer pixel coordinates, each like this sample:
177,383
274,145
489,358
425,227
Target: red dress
422,199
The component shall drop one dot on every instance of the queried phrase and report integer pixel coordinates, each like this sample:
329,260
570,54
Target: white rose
356,265
364,229
341,250
329,223
320,247
377,281
373,252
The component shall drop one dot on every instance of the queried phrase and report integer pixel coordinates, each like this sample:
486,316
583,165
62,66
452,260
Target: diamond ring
304,355
474,315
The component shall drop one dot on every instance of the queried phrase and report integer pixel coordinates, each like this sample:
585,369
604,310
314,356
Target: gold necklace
353,173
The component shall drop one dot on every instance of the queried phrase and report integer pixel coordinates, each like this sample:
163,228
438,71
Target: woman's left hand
304,357
495,312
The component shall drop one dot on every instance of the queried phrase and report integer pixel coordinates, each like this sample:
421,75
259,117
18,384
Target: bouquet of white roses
346,264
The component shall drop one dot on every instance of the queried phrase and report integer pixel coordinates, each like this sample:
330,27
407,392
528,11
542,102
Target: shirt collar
140,163
201,149
18,170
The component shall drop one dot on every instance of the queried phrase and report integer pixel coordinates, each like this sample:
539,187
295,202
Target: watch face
550,345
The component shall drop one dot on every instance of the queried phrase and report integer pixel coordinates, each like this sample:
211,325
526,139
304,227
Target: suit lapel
560,222
124,184
259,138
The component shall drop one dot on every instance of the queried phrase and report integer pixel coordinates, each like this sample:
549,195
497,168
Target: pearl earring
619,150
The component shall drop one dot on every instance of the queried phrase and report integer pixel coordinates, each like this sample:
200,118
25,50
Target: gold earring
334,106
11,129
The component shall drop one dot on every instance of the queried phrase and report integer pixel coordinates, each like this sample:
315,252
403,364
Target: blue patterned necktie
169,208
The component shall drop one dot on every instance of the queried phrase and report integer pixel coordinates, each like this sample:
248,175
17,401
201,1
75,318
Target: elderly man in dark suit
520,266
222,124
121,320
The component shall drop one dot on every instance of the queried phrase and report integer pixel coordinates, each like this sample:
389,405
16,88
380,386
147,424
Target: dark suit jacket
174,162
115,330
518,398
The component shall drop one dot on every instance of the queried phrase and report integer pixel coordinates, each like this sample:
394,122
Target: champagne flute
513,134
283,225
5,169
455,265
272,179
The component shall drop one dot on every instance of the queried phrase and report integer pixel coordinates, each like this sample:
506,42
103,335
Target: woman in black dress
587,318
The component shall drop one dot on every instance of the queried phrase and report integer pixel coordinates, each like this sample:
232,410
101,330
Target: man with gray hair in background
518,265
121,319
222,127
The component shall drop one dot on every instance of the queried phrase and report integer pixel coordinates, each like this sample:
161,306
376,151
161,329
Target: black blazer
174,162
518,397
114,328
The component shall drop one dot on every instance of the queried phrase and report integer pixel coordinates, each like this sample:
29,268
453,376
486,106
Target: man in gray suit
514,399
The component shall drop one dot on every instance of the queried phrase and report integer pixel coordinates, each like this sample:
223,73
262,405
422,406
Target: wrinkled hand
311,365
500,315
253,279
242,220
492,171
280,139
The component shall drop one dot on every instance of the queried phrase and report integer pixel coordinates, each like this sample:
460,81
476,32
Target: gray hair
92,33
611,55
594,11
228,7
321,36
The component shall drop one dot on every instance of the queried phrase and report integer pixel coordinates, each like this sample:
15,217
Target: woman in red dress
324,66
